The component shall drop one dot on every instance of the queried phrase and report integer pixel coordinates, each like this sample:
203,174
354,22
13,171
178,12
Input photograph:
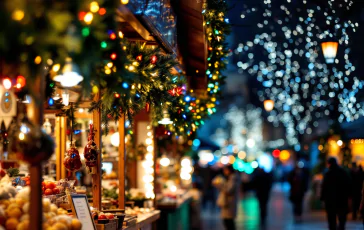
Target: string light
148,164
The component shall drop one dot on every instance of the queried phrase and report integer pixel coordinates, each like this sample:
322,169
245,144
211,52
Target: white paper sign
82,211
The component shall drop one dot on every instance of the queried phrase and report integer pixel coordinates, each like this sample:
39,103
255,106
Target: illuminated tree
285,56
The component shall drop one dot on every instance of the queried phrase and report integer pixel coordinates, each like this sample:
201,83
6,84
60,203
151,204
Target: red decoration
20,82
147,107
176,91
102,11
116,95
81,15
91,152
139,57
112,36
276,153
154,59
113,56
72,161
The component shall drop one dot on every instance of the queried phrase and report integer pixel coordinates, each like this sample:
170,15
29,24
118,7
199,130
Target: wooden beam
96,178
60,134
121,166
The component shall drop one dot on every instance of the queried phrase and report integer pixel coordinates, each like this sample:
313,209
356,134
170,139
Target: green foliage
12,172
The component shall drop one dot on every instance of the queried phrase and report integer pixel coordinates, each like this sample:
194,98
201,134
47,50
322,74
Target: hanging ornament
91,151
139,57
147,107
153,59
72,161
30,143
47,126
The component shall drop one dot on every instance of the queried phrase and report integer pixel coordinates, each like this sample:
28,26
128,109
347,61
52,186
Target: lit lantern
268,105
7,83
65,98
70,76
329,50
166,120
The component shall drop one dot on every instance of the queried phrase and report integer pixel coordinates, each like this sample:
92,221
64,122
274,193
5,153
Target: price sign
81,209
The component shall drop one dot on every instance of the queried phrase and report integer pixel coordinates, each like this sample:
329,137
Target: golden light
88,18
285,155
124,2
329,50
94,7
268,105
242,155
18,15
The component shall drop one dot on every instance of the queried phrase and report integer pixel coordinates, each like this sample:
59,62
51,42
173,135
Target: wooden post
121,165
60,134
96,178
36,218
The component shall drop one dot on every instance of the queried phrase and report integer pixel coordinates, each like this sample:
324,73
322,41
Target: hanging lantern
329,50
70,76
268,105
166,120
65,98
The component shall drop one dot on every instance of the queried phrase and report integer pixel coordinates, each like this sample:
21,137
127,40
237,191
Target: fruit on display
91,152
51,188
14,214
72,161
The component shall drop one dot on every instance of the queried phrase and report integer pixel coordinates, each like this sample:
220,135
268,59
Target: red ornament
81,15
72,161
113,56
91,152
20,82
112,36
139,57
154,59
147,107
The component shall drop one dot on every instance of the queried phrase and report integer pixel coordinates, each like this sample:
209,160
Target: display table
145,221
175,215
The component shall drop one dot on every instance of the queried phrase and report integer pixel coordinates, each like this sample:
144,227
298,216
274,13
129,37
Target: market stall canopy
191,42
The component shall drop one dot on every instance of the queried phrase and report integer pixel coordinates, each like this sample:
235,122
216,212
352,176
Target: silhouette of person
335,194
262,183
298,179
357,180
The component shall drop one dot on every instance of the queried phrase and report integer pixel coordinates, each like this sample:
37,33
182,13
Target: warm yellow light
88,18
18,15
21,136
329,50
268,105
231,159
124,2
131,68
340,143
56,67
110,64
121,35
320,147
285,155
107,71
38,60
94,7
242,155
95,89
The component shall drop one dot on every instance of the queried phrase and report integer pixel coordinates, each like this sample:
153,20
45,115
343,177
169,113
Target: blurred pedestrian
229,196
262,183
357,180
335,194
298,179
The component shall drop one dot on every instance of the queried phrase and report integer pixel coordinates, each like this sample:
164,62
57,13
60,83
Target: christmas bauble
31,143
154,59
72,161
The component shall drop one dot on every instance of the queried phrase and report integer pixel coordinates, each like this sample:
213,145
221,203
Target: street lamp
268,105
70,76
329,50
